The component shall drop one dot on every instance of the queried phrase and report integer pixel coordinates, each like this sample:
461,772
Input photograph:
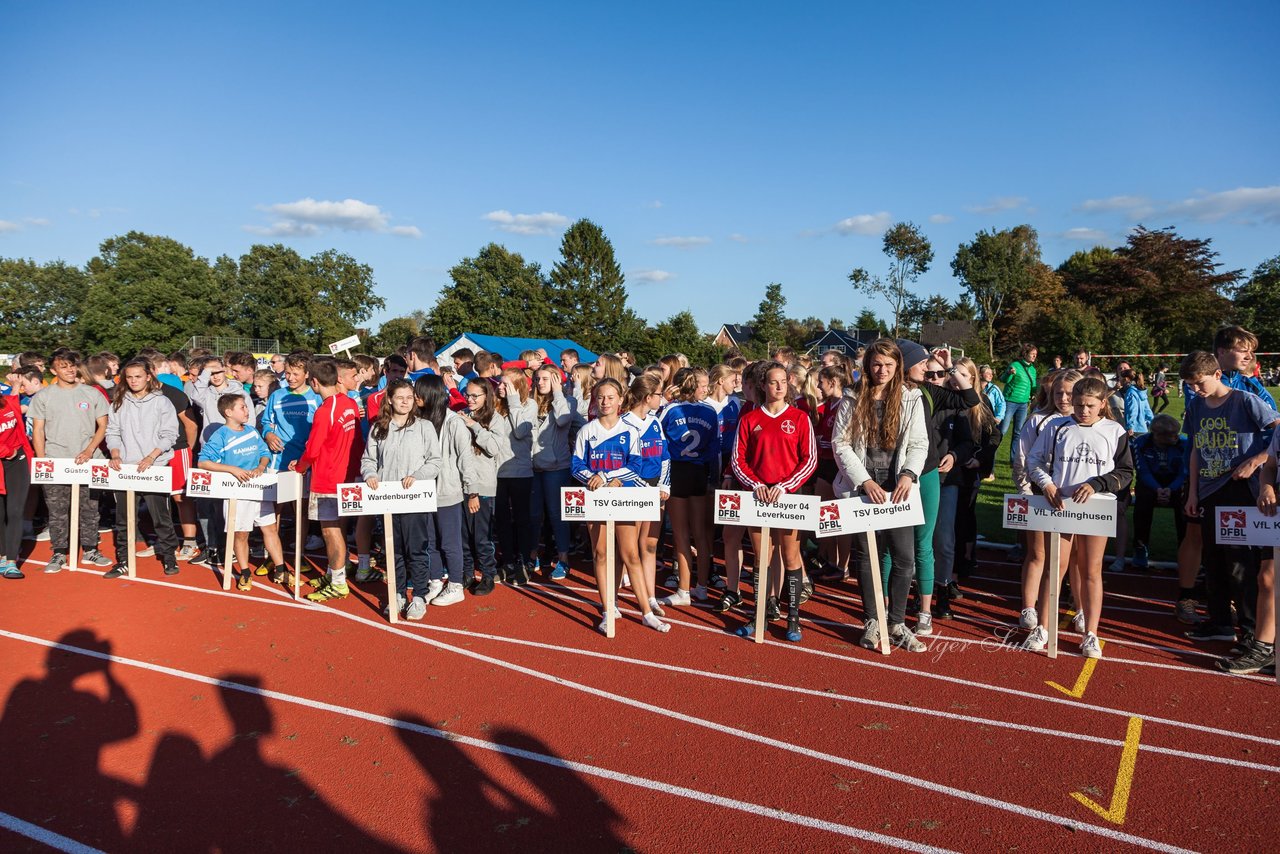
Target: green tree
496,293
867,319
1069,325
1127,334
836,323
1258,303
996,268
769,326
589,294
963,309
147,291
393,333
799,332
680,334
910,255
40,304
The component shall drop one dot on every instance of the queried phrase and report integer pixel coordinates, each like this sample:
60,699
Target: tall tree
910,255
997,268
1258,303
589,294
498,293
680,334
40,304
147,291
769,326
867,319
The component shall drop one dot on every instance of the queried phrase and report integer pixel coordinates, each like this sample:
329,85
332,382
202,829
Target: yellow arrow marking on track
1124,779
1082,681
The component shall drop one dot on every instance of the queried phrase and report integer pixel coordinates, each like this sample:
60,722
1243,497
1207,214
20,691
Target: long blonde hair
613,368
864,426
981,418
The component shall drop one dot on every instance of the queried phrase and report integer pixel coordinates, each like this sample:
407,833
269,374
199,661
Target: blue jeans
546,497
412,534
446,548
1015,415
944,536
477,540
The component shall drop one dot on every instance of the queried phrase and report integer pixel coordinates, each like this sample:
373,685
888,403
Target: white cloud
651,275
739,238
1093,235
939,219
1133,206
308,217
681,242
6,226
38,221
874,223
655,204
1001,203
1247,204
539,223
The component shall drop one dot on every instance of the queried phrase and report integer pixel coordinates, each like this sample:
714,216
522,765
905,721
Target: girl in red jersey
775,453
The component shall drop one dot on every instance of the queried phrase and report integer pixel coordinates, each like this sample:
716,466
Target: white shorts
251,513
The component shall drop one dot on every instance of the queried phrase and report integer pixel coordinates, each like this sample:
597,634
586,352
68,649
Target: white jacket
913,444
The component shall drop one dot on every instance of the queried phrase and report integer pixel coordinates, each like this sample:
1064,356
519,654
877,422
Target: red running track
164,714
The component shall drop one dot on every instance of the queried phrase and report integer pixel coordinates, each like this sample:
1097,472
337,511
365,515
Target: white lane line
554,761
1166,604
45,836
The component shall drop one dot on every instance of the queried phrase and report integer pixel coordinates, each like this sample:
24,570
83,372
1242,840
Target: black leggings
513,518
17,480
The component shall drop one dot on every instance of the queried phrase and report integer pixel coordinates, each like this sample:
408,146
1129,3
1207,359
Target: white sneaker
924,624
903,637
148,551
680,597
652,621
1029,619
656,606
1089,647
451,596
700,593
625,581
417,609
57,563
434,588
186,553
94,557
314,543
1077,623
1037,640
870,634
43,536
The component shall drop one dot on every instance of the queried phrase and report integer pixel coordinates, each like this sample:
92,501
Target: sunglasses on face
934,375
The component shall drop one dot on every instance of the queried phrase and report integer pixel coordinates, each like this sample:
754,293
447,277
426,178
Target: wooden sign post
390,498
128,480
1097,516
217,484
289,488
610,506
1249,526
60,471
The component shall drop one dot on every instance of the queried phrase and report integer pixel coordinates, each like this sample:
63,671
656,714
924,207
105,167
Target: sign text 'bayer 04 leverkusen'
739,507
858,515
1245,526
610,503
157,478
58,471
358,499
1097,516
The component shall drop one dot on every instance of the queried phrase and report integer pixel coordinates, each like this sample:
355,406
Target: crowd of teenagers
501,436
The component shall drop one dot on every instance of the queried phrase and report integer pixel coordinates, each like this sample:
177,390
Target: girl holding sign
881,444
607,454
775,454
1076,457
142,428
403,447
653,469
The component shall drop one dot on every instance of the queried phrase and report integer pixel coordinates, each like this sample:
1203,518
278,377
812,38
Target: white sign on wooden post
220,484
289,488
60,471
1246,526
622,504
860,514
157,478
345,344
739,507
359,499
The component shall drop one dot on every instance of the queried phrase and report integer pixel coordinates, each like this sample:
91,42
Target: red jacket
774,450
329,447
13,433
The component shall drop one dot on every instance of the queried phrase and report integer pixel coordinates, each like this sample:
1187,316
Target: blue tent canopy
511,348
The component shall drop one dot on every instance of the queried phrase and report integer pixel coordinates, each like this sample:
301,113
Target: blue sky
721,146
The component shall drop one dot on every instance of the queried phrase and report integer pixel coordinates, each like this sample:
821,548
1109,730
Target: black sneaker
1243,645
1252,660
771,610
117,571
728,602
483,587
1208,632
172,569
954,591
522,574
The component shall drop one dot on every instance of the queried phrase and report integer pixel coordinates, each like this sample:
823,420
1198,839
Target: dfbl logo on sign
201,480
98,474
352,498
574,503
829,517
43,470
730,505
1016,512
1231,523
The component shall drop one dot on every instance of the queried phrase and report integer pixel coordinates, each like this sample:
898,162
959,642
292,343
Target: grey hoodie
458,463
551,450
140,426
410,451
515,452
204,395
487,443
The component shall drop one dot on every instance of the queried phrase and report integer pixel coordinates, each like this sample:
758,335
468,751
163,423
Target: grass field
1164,543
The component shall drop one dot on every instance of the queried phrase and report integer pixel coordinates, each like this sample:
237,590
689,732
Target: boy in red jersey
775,454
328,455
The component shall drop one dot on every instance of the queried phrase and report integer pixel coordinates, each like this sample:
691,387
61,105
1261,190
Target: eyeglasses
479,396
934,375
